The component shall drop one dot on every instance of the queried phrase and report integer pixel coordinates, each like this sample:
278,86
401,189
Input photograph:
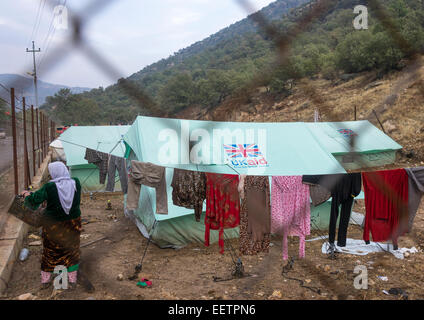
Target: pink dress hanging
290,210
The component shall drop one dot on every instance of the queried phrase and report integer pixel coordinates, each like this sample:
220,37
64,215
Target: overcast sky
131,34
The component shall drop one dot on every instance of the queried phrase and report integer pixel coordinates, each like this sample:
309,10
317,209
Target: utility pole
33,51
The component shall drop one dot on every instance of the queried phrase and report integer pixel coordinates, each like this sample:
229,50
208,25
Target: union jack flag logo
242,150
347,132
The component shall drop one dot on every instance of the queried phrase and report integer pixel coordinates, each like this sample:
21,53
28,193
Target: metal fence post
37,122
33,139
41,136
52,130
15,153
46,134
26,162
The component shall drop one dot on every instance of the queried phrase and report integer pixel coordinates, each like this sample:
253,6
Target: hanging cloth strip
117,163
291,211
189,190
222,205
319,194
144,173
416,191
255,215
386,203
100,159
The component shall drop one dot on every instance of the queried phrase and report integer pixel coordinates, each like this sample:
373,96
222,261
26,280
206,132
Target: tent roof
57,144
289,148
75,140
369,138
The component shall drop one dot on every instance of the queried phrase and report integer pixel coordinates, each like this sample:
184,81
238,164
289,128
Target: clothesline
164,166
85,147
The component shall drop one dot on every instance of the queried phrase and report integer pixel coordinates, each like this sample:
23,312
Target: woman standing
61,234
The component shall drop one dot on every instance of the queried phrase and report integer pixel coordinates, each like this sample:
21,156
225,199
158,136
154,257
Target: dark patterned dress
189,190
61,245
61,235
255,216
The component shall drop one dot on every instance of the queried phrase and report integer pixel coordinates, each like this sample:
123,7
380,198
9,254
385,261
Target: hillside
402,118
273,12
210,63
45,89
237,60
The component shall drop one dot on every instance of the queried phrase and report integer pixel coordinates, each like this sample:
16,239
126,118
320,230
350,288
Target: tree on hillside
177,93
363,51
69,108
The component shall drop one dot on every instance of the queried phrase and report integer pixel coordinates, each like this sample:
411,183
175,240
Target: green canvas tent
106,139
281,149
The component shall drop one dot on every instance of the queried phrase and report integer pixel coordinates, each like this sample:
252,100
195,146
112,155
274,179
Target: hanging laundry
290,211
100,159
240,188
415,192
318,193
148,174
117,163
189,190
343,194
255,215
222,205
386,203
343,189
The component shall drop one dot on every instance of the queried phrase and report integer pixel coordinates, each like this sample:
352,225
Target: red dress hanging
386,203
222,205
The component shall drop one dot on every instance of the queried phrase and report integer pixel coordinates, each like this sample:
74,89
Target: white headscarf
65,185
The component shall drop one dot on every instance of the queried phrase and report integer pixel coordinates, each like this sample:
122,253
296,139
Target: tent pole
139,267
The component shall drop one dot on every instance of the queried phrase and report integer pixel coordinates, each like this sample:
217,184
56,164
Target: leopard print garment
189,190
255,216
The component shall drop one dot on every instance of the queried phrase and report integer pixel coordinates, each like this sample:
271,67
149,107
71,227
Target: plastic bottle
24,254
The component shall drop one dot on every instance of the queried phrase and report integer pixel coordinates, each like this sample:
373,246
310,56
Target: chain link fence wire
314,11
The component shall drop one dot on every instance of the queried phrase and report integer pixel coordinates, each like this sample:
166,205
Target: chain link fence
25,134
283,41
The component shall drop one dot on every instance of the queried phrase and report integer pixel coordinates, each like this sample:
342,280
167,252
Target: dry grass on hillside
401,114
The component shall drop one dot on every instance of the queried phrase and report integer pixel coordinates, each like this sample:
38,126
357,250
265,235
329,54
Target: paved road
6,152
6,155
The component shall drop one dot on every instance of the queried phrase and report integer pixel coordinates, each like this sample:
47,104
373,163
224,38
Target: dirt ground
188,273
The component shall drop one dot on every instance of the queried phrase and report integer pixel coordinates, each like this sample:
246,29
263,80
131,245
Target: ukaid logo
245,155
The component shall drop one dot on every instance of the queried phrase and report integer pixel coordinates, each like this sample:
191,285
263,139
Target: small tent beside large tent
268,149
75,140
373,147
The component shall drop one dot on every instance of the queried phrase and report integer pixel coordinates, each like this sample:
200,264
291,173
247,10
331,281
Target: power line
49,38
39,20
35,21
